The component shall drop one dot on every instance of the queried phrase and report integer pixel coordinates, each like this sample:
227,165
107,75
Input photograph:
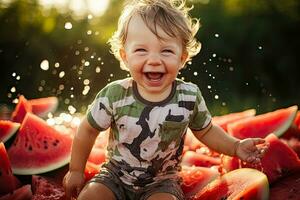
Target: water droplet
71,109
68,25
98,69
90,16
56,65
61,87
86,81
40,88
217,35
209,86
89,32
214,55
216,96
18,77
72,96
86,90
111,75
67,101
195,73
87,63
246,83
260,47
79,41
77,53
13,89
223,103
44,65
61,74
86,48
14,74
231,69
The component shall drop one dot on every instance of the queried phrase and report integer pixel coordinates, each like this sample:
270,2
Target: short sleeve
201,116
99,113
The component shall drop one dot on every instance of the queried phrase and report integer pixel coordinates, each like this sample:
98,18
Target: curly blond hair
170,15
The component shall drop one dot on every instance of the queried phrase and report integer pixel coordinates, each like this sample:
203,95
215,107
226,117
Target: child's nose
154,59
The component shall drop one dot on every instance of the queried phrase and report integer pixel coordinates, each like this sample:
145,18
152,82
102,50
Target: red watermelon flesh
46,189
91,169
42,106
38,147
21,109
7,129
230,163
223,120
279,159
245,183
287,188
276,122
8,182
191,158
22,193
195,178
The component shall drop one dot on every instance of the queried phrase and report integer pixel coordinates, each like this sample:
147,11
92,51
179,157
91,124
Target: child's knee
96,191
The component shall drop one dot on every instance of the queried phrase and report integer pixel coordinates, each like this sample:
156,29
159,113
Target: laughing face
152,62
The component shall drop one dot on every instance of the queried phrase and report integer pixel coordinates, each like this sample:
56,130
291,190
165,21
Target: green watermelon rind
40,170
12,130
278,132
24,163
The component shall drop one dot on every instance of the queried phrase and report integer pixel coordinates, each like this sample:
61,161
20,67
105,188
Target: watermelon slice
46,189
286,188
223,120
7,129
21,109
22,193
191,158
38,147
195,178
42,106
230,163
8,182
276,122
245,183
278,161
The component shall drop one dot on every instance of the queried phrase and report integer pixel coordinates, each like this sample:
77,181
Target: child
149,113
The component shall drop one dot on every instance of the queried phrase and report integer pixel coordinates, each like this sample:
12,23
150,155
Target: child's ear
184,58
123,55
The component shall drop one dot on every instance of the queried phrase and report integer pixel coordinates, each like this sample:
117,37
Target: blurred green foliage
249,56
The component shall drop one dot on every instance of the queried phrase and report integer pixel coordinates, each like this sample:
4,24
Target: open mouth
154,76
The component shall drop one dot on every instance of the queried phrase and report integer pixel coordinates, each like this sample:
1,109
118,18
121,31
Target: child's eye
167,51
140,50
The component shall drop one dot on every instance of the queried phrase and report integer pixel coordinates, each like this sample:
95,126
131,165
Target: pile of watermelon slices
34,156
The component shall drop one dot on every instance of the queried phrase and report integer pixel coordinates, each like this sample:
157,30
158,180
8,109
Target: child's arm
82,144
217,139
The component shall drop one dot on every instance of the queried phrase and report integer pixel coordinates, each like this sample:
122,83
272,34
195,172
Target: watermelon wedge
276,122
223,120
195,178
21,109
7,129
278,161
191,158
42,106
245,183
22,193
38,147
8,182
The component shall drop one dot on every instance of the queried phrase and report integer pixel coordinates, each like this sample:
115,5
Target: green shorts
126,192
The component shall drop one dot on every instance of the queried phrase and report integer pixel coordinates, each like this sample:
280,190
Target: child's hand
251,150
73,183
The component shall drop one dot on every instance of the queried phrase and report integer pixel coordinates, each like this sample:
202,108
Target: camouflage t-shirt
146,138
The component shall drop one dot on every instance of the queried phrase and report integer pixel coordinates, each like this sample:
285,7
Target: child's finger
257,141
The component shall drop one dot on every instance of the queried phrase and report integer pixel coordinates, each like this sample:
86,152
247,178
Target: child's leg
95,191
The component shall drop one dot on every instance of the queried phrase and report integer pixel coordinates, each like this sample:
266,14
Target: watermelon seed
30,147
45,146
